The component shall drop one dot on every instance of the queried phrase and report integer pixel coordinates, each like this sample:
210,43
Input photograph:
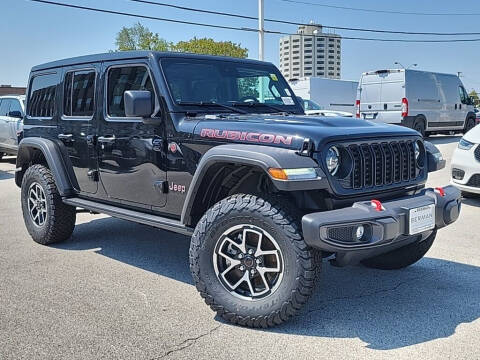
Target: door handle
106,139
66,137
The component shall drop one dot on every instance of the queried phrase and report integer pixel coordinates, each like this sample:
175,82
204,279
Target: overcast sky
34,33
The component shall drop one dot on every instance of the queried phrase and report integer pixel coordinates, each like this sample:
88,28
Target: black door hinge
92,174
161,186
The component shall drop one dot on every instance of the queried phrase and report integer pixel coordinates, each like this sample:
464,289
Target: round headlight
333,160
417,150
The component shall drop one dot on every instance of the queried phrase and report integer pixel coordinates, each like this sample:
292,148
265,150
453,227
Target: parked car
466,163
312,108
189,144
425,101
12,109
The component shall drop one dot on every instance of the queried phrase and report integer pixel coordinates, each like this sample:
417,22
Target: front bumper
385,230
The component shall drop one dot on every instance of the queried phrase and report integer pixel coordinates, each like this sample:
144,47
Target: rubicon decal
246,136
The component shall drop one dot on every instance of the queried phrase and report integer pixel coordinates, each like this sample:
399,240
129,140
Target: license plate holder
421,219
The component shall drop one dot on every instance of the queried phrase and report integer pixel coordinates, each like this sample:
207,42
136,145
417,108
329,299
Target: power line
377,39
144,16
286,22
239,28
379,11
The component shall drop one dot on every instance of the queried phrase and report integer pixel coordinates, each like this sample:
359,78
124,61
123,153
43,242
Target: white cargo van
330,94
425,101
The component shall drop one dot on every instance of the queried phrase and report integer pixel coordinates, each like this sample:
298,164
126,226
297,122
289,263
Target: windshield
196,81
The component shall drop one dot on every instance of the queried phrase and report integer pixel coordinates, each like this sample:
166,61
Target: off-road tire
301,266
469,125
60,219
402,257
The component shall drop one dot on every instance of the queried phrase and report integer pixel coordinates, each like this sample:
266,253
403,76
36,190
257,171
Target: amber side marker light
293,174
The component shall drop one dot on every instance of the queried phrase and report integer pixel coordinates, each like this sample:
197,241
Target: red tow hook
440,191
377,205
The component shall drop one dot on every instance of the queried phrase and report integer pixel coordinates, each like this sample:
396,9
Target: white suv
12,110
466,163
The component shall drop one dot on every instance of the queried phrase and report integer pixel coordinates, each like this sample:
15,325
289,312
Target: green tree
476,99
211,47
139,37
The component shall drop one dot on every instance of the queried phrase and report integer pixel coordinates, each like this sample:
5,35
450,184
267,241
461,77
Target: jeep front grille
377,165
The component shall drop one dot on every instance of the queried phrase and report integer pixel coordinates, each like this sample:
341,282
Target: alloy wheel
248,262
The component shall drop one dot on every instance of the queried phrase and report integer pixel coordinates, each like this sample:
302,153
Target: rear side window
41,102
121,79
79,93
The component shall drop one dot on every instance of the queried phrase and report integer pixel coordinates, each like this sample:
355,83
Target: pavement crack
187,343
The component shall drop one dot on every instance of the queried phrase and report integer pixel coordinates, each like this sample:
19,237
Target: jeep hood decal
290,131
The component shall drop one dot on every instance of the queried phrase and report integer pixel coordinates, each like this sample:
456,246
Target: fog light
359,233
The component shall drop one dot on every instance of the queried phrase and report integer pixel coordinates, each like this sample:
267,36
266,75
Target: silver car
12,110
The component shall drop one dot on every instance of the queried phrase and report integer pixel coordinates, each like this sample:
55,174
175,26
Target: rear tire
47,218
469,125
1,155
277,295
403,257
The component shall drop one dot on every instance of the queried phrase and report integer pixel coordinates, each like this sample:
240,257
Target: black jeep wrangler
220,149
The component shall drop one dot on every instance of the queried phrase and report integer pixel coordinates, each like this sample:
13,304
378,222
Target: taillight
404,107
357,106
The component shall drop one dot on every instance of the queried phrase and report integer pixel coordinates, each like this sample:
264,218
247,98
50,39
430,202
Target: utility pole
261,33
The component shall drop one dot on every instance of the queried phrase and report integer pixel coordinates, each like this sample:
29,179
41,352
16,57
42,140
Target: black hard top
129,55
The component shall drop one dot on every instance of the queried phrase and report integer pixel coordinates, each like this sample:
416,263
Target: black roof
129,55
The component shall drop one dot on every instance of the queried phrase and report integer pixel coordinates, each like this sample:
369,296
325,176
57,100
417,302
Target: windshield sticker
288,92
287,100
273,77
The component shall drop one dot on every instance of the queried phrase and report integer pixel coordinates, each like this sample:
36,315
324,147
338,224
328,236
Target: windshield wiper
257,104
209,103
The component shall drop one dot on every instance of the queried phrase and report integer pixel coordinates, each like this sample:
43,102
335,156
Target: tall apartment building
310,52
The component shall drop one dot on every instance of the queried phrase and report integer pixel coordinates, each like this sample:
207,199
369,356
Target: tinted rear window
41,102
79,93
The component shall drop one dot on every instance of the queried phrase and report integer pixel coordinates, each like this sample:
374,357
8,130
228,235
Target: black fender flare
54,158
262,157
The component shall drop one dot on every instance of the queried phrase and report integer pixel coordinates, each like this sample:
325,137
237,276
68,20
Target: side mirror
138,103
15,114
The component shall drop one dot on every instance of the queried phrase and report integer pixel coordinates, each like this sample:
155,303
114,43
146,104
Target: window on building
308,68
321,62
79,93
295,46
296,40
307,62
321,73
41,102
331,51
321,68
331,40
307,51
295,52
331,68
307,45
121,79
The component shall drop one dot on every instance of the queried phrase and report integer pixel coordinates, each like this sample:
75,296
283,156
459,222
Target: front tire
403,257
469,125
47,218
250,263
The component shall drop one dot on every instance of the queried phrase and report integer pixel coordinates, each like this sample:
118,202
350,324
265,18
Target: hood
290,131
473,135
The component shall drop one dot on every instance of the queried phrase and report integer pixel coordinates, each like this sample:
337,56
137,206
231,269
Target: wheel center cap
249,261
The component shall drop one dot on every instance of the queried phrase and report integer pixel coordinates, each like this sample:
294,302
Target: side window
463,95
41,102
15,106
121,79
4,107
79,93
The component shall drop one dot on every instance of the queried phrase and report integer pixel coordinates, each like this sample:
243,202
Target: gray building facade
310,52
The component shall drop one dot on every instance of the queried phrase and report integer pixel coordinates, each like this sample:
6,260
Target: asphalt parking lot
121,290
